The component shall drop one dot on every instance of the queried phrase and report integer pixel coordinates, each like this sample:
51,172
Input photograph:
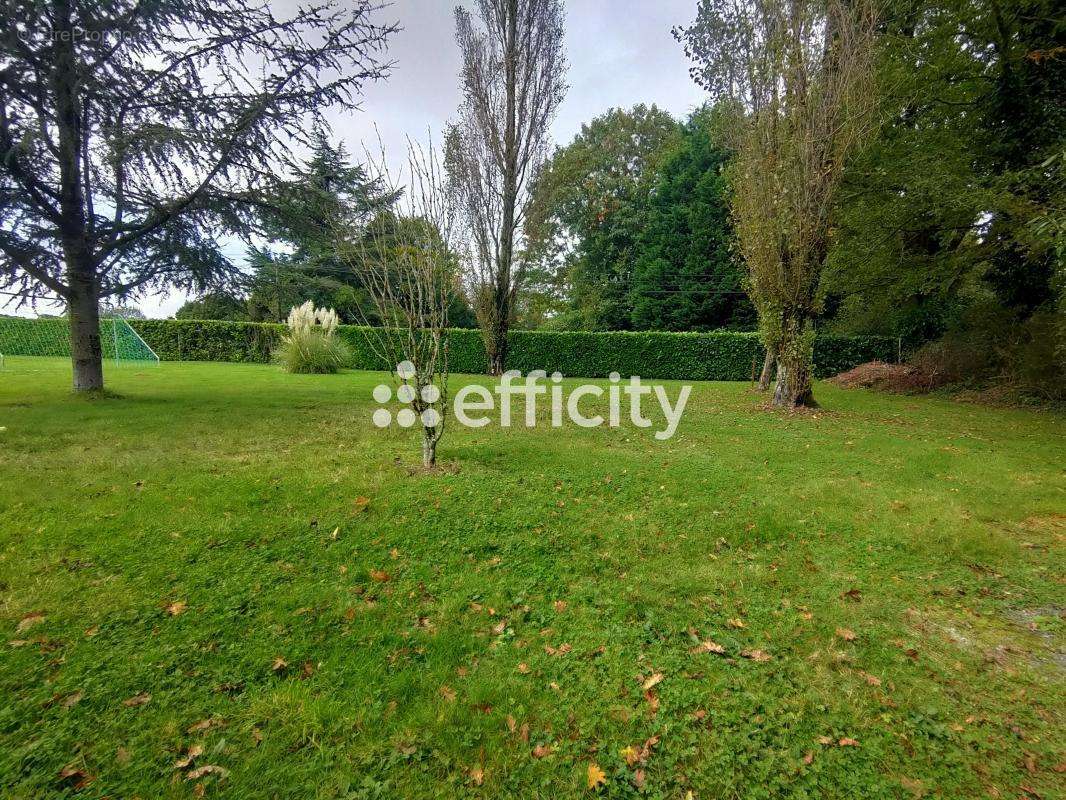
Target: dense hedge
721,355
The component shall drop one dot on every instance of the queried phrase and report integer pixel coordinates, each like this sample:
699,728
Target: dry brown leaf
825,740
380,575
873,680
808,757
846,741
652,681
279,665
542,751
137,700
500,627
203,725
75,777
207,769
652,700
29,620
846,634
755,655
191,755
307,670
559,605
72,699
447,693
854,595
477,776
736,622
596,776
708,647
512,723
523,668
638,779
91,632
361,504
175,608
561,650
630,754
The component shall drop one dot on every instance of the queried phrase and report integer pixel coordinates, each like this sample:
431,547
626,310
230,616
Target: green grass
933,530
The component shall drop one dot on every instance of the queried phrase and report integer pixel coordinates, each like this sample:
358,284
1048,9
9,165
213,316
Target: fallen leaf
207,769
542,751
559,605
137,700
873,680
848,742
75,777
279,665
854,595
307,670
361,504
91,632
708,647
736,623
500,628
72,699
630,754
203,725
191,755
846,634
652,700
29,620
652,681
523,668
825,740
596,776
638,779
380,575
755,655
808,757
561,650
447,693
477,776
176,607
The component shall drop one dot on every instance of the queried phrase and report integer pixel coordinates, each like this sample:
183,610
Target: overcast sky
620,53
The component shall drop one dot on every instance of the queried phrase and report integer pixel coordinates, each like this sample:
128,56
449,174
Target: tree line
860,166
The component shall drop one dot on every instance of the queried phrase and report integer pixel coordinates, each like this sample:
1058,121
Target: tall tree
801,78
513,75
299,217
936,215
587,213
686,276
131,132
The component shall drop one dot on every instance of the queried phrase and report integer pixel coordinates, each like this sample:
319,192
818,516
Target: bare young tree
409,261
513,73
800,76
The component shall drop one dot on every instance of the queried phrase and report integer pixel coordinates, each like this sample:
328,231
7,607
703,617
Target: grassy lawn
190,580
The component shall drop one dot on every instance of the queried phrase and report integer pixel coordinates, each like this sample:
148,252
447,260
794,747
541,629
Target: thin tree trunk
505,270
429,447
496,347
767,370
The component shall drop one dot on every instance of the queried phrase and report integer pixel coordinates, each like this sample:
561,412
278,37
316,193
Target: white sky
620,53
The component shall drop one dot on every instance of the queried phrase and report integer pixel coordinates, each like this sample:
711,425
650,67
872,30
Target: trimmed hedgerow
715,356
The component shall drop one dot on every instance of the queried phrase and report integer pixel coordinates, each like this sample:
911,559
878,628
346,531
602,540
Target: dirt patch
885,377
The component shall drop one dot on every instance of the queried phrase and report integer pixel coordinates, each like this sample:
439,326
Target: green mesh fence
51,337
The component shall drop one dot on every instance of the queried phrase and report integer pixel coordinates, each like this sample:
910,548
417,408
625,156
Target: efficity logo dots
406,393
